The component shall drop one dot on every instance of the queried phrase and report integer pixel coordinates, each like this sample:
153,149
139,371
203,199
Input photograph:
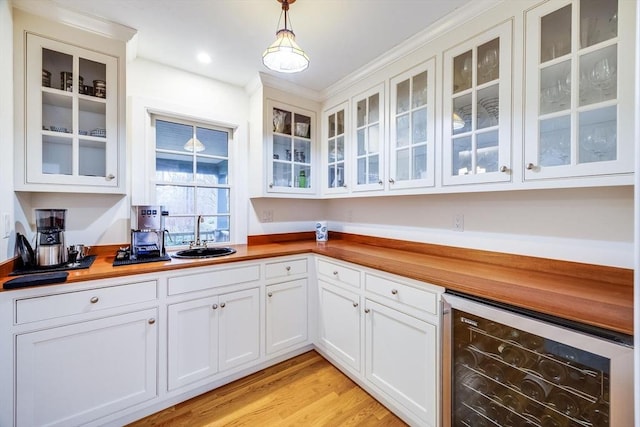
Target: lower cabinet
339,330
401,358
209,335
73,374
286,315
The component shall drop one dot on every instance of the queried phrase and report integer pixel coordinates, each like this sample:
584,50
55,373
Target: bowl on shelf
98,132
302,129
83,132
57,128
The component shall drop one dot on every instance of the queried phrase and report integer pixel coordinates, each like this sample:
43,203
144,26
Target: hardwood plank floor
306,390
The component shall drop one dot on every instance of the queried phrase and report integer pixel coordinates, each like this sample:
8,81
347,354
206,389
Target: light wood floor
306,390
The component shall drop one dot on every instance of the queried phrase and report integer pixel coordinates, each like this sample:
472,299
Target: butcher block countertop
596,295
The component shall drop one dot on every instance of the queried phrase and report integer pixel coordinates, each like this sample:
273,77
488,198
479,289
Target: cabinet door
368,119
74,374
286,308
72,125
239,340
477,109
335,122
401,359
412,143
579,89
339,328
291,149
192,341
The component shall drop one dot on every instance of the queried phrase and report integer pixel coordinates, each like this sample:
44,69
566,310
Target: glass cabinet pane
599,76
291,149
368,116
488,61
598,21
335,149
555,34
597,135
555,141
462,72
555,88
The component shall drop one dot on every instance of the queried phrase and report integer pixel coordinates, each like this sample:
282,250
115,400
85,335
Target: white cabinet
477,110
401,359
291,149
286,315
212,334
579,89
339,324
335,154
369,138
413,138
73,374
72,136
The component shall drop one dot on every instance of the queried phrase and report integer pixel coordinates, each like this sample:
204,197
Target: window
192,180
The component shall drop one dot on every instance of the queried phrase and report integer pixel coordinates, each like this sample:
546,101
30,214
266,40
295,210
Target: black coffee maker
50,246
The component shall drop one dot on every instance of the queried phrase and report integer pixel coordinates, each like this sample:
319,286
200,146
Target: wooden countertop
596,295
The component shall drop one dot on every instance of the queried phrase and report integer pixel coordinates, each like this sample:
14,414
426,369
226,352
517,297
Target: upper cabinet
412,123
70,133
579,89
477,115
369,139
334,149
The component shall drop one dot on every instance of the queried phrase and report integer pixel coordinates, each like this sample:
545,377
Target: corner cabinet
72,136
579,89
477,109
291,149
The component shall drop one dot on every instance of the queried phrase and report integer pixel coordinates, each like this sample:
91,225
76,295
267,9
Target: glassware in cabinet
368,114
573,102
477,105
334,148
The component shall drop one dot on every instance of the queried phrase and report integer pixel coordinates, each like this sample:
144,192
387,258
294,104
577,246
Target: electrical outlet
458,222
267,215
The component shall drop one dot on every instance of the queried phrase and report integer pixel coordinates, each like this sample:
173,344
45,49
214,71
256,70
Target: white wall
6,127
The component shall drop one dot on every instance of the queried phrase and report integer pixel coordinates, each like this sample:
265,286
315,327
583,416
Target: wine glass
465,72
489,63
602,76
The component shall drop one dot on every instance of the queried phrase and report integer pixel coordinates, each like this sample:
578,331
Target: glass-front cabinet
334,149
575,57
72,121
477,109
291,149
412,140
368,119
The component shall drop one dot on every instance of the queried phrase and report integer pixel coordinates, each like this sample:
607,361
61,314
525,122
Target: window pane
212,171
178,200
181,230
174,168
216,142
214,229
212,200
172,136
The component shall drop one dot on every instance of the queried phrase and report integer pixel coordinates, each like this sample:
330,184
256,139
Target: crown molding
52,11
437,29
273,82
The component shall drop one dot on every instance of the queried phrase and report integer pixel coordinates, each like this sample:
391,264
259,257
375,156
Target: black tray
129,261
83,263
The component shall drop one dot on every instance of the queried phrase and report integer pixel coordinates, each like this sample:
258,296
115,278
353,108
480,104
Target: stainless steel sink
204,252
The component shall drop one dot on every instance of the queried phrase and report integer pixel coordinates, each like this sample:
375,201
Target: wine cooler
505,366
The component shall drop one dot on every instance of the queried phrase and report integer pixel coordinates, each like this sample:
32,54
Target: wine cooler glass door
507,369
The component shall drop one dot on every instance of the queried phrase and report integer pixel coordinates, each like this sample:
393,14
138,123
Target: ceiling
340,36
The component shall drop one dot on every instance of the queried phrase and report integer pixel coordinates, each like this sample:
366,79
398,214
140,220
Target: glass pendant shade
284,55
458,122
193,144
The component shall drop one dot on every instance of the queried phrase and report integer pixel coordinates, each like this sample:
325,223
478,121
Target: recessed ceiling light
204,58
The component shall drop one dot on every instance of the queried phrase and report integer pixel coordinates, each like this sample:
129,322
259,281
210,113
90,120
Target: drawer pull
222,305
288,268
94,300
270,294
152,321
366,310
394,292
214,306
355,304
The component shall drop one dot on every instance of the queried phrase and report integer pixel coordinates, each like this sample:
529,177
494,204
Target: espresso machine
50,245
147,236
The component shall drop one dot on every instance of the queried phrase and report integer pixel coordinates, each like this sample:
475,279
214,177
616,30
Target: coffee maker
50,247
147,237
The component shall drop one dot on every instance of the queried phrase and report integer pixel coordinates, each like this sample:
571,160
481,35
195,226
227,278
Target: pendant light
194,144
284,55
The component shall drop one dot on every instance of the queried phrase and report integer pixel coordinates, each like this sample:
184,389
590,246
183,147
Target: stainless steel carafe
50,244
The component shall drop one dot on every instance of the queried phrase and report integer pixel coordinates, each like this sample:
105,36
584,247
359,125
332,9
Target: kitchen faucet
198,243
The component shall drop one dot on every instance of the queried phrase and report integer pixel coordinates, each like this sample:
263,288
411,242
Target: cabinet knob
288,268
110,177
214,306
222,305
392,181
504,169
151,321
394,292
94,300
270,294
335,273
345,185
366,310
380,182
530,166
355,304
271,185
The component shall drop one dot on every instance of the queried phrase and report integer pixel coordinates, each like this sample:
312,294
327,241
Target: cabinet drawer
391,290
213,279
285,268
338,273
68,304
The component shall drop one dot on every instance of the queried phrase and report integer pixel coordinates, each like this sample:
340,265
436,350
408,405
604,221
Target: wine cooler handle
447,362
